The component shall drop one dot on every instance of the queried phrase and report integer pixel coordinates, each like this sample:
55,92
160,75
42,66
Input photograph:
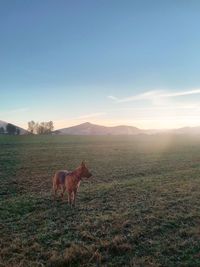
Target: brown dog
71,181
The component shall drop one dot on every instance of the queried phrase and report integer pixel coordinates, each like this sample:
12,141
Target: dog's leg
55,189
69,198
55,192
74,198
54,186
62,193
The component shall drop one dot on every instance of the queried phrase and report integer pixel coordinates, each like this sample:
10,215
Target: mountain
4,124
187,131
93,129
88,128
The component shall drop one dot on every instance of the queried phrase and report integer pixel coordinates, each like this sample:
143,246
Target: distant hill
4,123
187,130
88,128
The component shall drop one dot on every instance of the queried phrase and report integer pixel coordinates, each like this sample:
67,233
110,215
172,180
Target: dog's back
59,178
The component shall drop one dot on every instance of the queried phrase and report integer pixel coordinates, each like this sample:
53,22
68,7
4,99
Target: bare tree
11,129
31,127
18,131
40,128
49,126
2,130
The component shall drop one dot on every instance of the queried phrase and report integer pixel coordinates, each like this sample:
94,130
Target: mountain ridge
88,128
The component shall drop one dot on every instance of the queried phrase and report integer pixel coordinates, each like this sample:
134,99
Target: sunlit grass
141,208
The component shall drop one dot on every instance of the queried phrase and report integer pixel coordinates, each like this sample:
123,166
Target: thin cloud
113,98
152,95
175,107
92,115
12,111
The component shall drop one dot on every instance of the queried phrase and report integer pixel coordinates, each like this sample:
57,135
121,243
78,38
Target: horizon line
108,126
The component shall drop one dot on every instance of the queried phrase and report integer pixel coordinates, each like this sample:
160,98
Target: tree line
40,128
33,128
10,129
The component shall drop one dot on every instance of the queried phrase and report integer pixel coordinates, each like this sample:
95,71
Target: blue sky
108,62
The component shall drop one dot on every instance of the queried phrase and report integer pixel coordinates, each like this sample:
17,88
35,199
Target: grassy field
140,208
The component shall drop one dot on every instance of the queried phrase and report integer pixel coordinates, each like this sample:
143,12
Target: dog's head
84,170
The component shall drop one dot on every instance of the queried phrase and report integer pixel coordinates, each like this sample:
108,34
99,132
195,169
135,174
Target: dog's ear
83,163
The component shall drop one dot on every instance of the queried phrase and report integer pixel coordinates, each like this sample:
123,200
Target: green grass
140,208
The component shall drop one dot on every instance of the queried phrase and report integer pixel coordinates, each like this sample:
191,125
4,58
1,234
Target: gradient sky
108,62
